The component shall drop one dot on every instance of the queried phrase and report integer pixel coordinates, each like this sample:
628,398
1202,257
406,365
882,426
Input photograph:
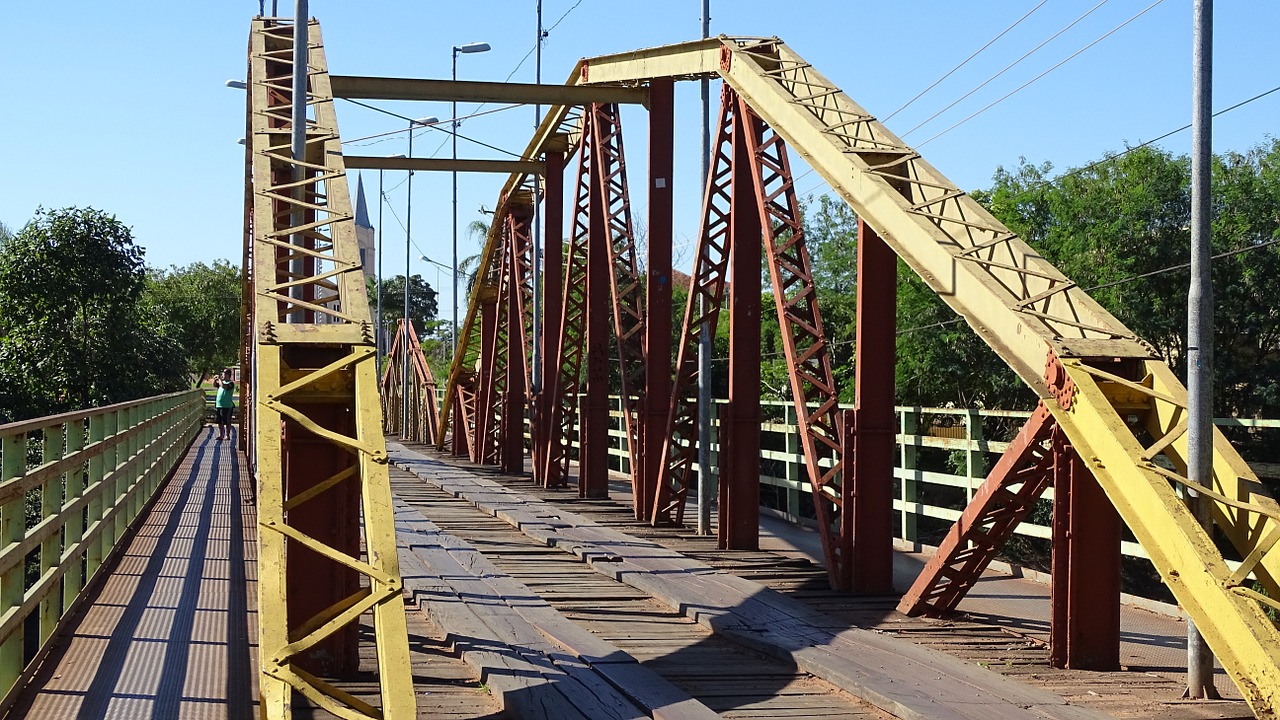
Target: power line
433,126
1007,68
460,119
965,61
1023,86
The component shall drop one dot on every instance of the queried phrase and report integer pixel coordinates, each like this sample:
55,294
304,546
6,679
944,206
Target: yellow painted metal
1023,307
388,88
76,480
308,353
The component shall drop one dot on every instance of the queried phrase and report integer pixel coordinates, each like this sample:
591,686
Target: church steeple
362,210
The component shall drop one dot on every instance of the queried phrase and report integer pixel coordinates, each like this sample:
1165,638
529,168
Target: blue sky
121,106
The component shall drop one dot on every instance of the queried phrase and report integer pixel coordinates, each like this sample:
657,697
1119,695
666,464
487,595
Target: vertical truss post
706,294
624,276
566,370
552,312
1007,496
1085,617
458,438
518,284
318,448
486,397
657,343
871,477
593,453
740,425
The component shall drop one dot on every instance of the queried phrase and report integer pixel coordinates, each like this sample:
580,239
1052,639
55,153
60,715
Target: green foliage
198,306
422,304
72,333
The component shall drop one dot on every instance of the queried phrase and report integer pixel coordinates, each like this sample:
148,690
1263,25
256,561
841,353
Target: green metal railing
956,431
70,487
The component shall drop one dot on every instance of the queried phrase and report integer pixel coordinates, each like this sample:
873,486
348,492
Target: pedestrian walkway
169,634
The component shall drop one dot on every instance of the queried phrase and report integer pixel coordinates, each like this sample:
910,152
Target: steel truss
424,412
1109,398
318,447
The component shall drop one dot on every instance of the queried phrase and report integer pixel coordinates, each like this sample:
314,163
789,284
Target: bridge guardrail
71,485
955,430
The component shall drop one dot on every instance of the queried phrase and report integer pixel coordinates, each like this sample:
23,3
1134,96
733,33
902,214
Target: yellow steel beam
303,367
385,88
1020,304
366,162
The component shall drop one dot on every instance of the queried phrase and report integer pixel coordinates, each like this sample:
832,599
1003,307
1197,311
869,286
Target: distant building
364,231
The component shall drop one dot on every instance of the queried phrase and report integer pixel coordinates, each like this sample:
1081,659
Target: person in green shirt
224,403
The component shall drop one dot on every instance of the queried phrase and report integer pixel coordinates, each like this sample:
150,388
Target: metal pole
1200,320
299,139
706,344
404,345
453,333
535,372
378,331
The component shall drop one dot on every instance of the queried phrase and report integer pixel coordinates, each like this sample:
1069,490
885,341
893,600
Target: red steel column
459,423
552,306
871,469
511,453
740,425
1085,619
657,342
593,453
482,452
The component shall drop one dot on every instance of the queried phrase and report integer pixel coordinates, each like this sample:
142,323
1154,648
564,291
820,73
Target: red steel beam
486,395
657,342
1085,593
593,457
871,529
740,425
552,300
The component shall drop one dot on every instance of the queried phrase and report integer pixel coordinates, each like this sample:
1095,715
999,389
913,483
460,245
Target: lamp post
381,331
467,49
408,242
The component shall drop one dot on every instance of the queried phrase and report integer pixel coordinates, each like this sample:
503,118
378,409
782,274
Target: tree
72,334
199,306
422,302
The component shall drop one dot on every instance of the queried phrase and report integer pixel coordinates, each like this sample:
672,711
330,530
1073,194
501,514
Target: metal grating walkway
168,634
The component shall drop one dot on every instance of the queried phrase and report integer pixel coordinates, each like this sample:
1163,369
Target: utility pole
535,372
706,344
1200,321
298,118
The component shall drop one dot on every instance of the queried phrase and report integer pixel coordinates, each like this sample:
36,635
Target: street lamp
381,332
408,242
467,49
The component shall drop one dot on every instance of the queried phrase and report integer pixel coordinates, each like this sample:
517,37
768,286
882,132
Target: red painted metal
1007,496
487,390
593,457
710,268
552,310
518,292
870,472
657,342
1085,617
739,527
624,276
566,371
813,385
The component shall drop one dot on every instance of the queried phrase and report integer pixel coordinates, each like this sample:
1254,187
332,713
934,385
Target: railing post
794,453
73,581
112,462
50,549
13,527
908,482
97,549
975,460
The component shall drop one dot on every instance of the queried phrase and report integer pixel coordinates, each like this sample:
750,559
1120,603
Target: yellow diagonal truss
310,346
1024,308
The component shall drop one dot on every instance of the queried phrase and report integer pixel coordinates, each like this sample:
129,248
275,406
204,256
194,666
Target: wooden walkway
582,527
171,632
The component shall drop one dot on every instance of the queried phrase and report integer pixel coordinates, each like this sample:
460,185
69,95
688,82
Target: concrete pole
1200,320
706,346
301,41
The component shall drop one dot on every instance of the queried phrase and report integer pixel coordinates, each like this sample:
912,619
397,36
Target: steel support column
870,537
740,425
552,311
1085,619
658,369
482,448
593,453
